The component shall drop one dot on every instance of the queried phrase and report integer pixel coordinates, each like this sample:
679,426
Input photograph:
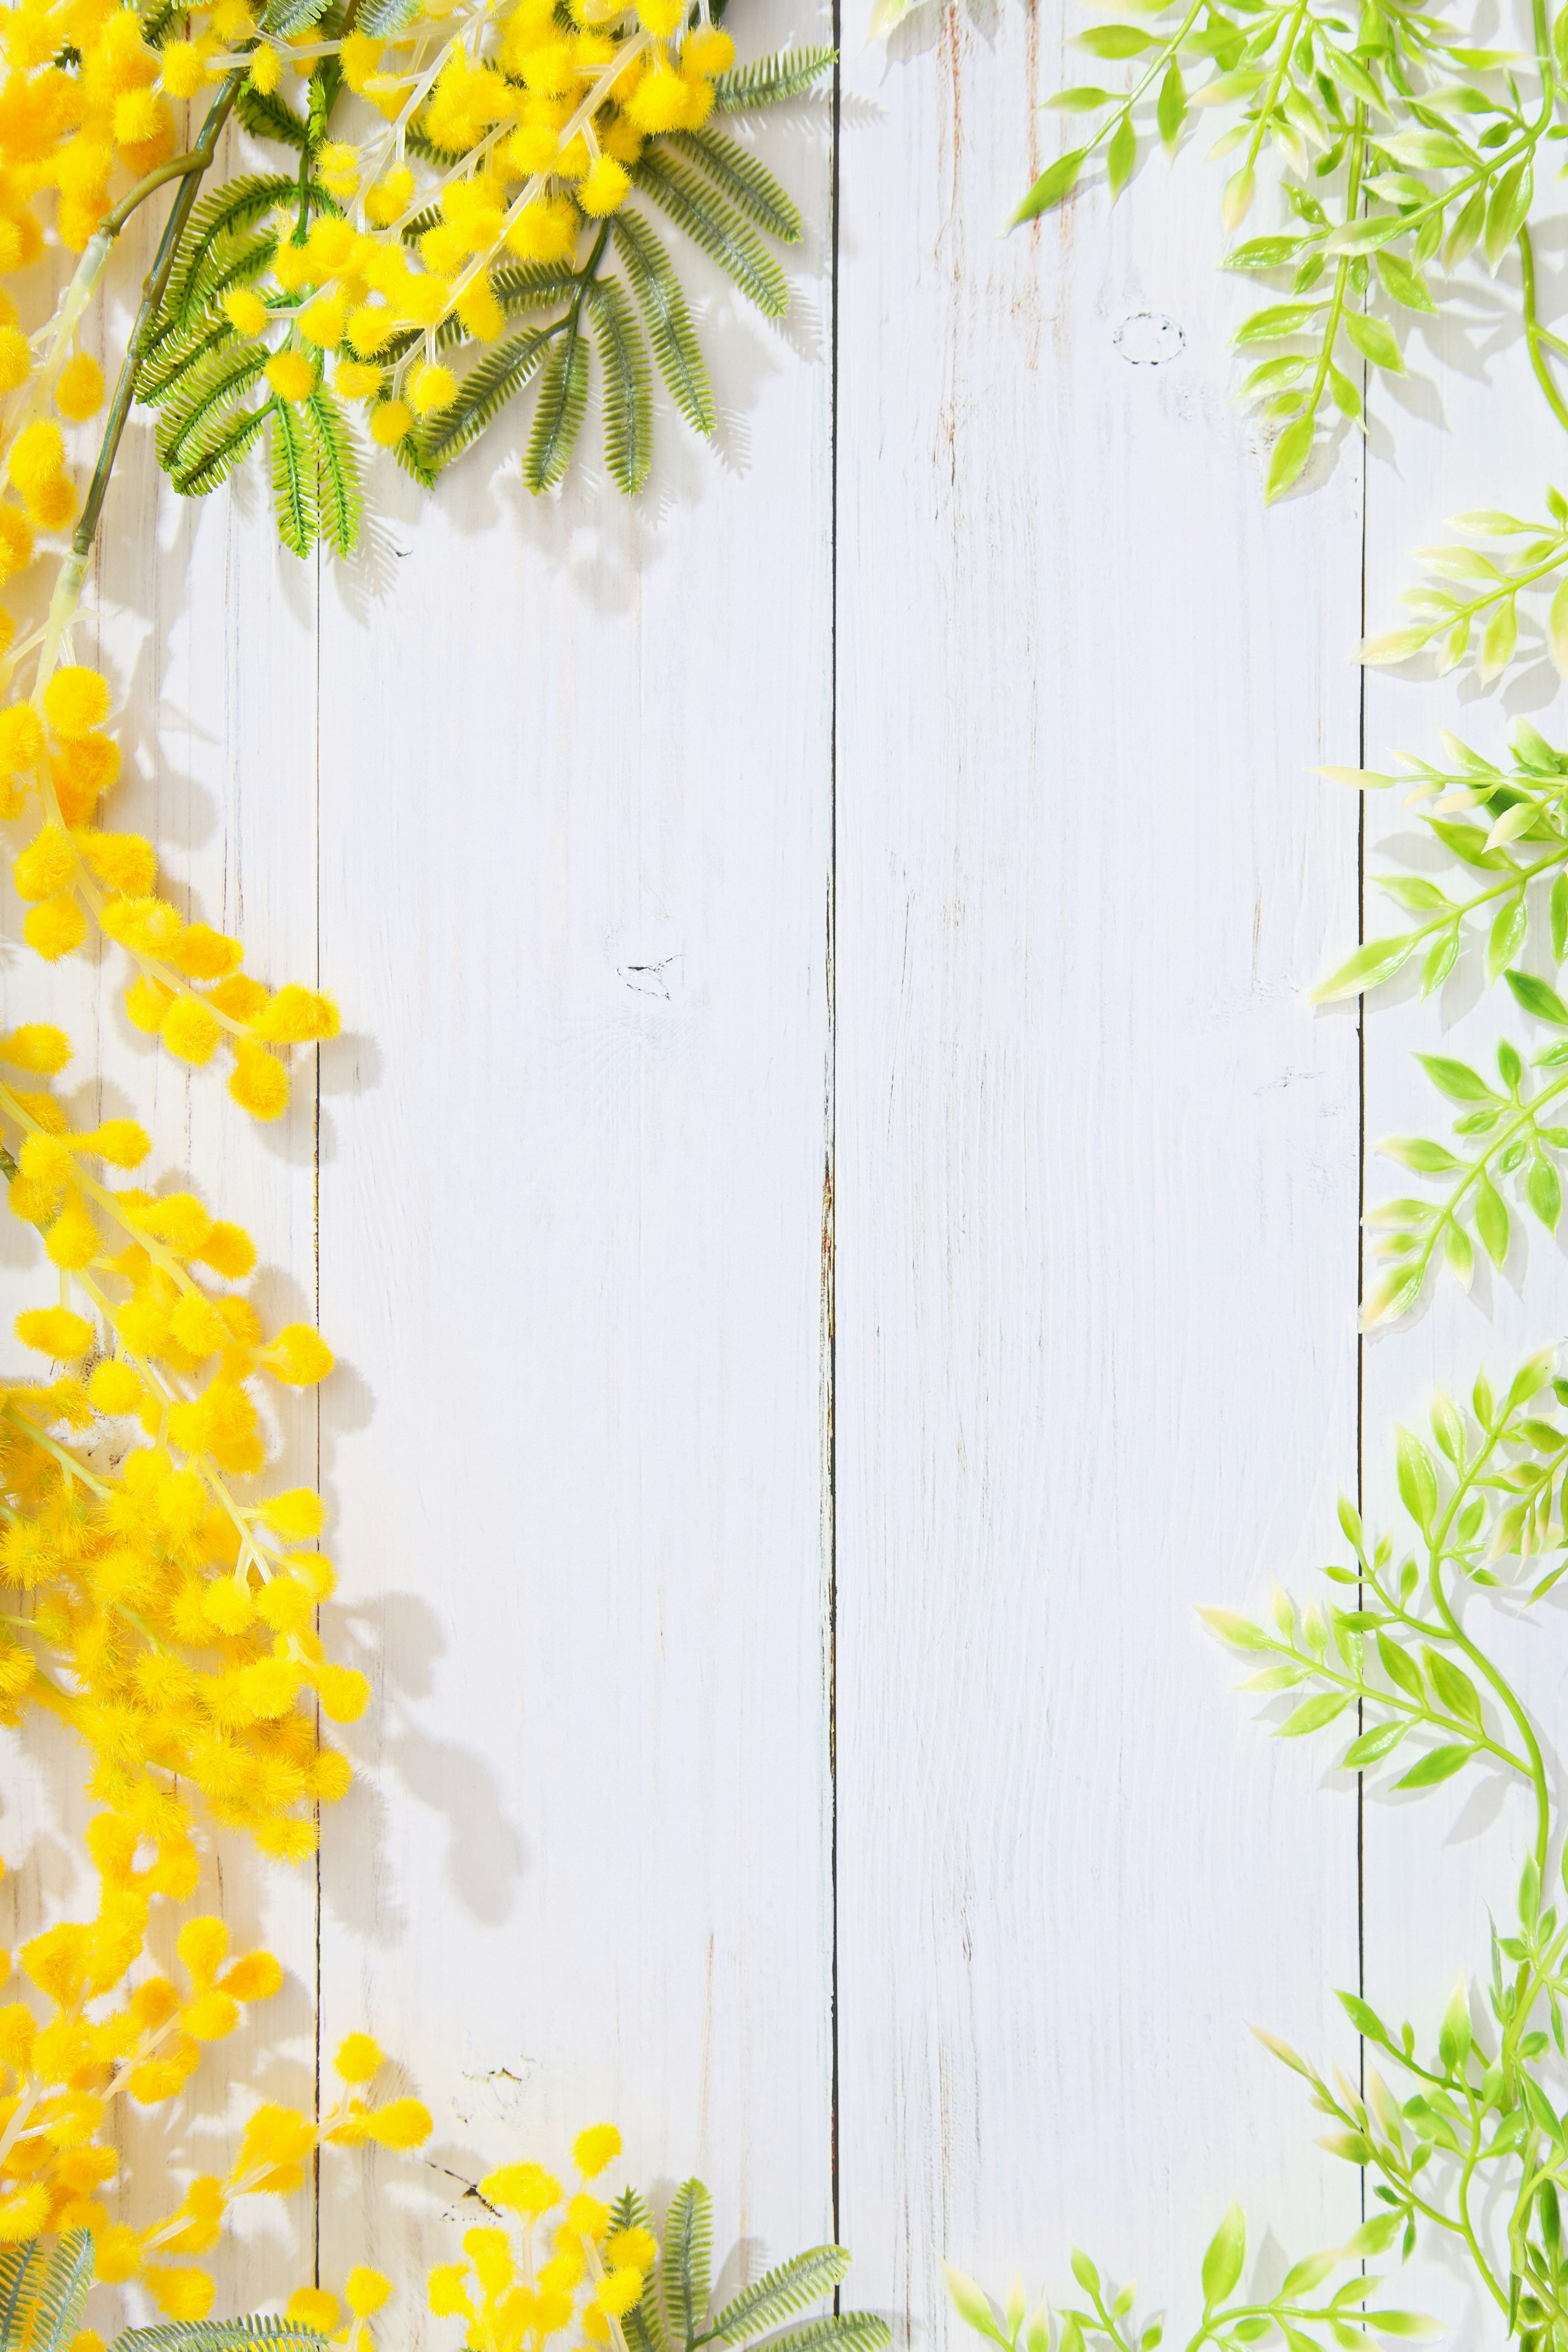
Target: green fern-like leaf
769,81
562,398
482,394
218,445
668,322
171,358
686,2262
262,2333
794,2286
293,478
840,2331
339,506
721,232
238,204
643,2327
750,187
21,2268
629,398
61,2293
267,116
219,378
532,286
412,459
284,17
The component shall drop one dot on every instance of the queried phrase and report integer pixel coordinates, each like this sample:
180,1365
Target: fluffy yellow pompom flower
79,393
55,1331
526,2189
595,2149
76,700
359,2059
708,50
389,421
55,929
259,1082
431,388
312,2306
15,359
364,2290
183,69
190,1031
180,2294
37,456
47,864
291,376
21,738
604,185
246,310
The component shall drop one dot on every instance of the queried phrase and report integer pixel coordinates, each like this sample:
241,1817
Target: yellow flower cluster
541,123
64,129
595,2272
94,2024
189,989
184,1614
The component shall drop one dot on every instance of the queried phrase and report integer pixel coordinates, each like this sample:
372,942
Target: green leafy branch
1502,1134
1523,843
1298,2314
202,373
1485,593
674,2313
1403,144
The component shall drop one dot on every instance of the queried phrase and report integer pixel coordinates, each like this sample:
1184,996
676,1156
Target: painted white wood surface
839,1227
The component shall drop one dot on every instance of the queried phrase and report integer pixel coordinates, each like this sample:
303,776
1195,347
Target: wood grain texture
840,1228
1096,1199
574,856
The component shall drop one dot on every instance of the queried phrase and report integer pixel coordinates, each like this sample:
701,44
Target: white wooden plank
1480,434
575,815
1096,1199
209,646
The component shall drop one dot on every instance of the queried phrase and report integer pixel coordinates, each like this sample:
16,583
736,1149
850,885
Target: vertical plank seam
830,1194
1361,1211
316,1393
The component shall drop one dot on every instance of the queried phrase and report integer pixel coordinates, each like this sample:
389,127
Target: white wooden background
840,1227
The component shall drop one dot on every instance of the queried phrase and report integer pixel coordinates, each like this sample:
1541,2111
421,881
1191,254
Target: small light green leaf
1227,2255
1051,186
1557,629
1441,1764
970,2301
1372,1746
1311,1715
1418,1479
1291,452
1397,645
1499,639
1171,110
1506,936
1083,2270
1544,1192
1114,40
1376,961
1538,999
1455,1079
1239,1630
1400,1668
1405,284
1120,155
1374,340
1491,1220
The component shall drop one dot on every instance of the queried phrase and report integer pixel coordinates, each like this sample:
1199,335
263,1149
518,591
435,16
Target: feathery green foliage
196,367
1404,146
